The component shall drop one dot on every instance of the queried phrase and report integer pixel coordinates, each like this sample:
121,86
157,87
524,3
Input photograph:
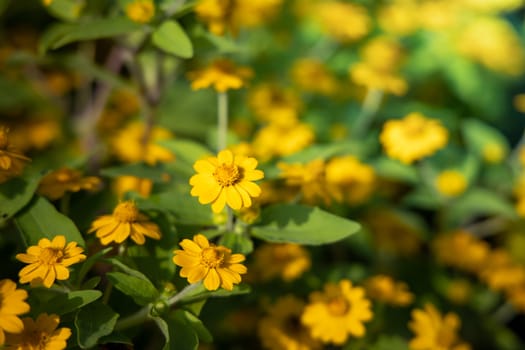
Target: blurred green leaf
182,334
171,38
156,173
186,150
390,342
40,219
89,262
67,302
65,9
15,194
395,170
94,322
301,224
238,243
142,291
478,135
164,329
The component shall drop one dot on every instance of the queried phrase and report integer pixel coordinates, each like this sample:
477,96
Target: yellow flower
292,138
309,179
37,133
519,102
337,313
281,329
500,272
12,304
49,260
127,183
311,75
140,11
226,179
384,289
399,17
129,144
216,265
41,334
11,162
55,184
433,331
287,261
222,74
451,183
126,221
413,137
342,21
462,250
271,103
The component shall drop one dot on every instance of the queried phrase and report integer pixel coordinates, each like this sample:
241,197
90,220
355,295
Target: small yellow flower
384,289
215,265
337,313
341,20
287,261
12,163
226,179
292,138
309,179
41,334
311,75
413,137
12,304
140,11
55,184
451,183
49,260
222,74
126,221
281,329
434,331
274,104
127,183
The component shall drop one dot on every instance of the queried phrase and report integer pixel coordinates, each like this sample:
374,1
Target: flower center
227,175
51,256
293,325
126,212
212,257
338,306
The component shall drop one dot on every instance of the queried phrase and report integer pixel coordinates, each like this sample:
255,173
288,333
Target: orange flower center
227,175
126,212
338,306
64,176
212,257
51,256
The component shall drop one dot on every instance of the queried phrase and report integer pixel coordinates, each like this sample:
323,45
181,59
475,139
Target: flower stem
184,292
222,123
370,106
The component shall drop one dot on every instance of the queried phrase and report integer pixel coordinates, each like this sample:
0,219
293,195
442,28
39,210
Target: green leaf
89,262
201,293
65,9
238,243
171,38
94,322
202,332
142,291
128,270
187,151
3,5
387,342
40,219
395,170
67,302
52,35
301,224
15,194
155,173
478,135
94,29
164,329
182,334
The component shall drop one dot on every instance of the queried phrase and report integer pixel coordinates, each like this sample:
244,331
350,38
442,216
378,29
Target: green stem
369,109
222,123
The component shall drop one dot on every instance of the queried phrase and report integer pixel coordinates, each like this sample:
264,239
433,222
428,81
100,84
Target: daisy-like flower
11,162
41,334
49,260
281,329
140,11
222,74
451,183
337,313
434,331
413,137
55,184
215,265
126,221
12,304
384,289
226,179
287,261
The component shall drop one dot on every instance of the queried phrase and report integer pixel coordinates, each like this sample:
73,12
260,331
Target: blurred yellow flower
500,272
215,265
127,183
337,313
399,17
12,304
281,329
434,331
311,75
287,261
519,102
221,74
274,104
413,137
140,11
226,179
451,183
12,163
49,261
491,6
125,221
343,21
309,179
292,138
130,146
41,334
36,133
55,184
384,289
461,249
